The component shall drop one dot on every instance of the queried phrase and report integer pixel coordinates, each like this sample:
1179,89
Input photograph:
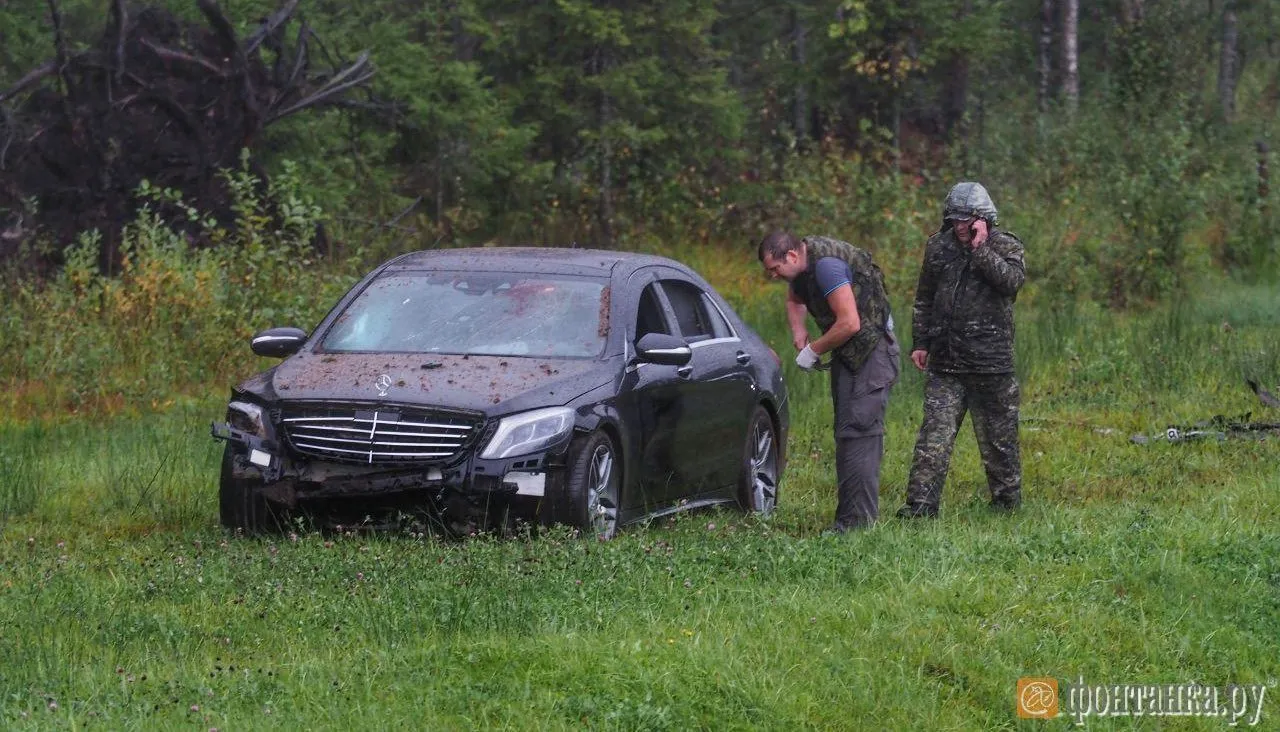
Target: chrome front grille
373,436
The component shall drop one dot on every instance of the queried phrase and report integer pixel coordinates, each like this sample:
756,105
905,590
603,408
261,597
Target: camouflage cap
969,200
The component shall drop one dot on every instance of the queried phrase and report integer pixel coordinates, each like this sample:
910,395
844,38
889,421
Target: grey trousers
860,399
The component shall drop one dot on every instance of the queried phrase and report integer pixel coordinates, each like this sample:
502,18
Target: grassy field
123,605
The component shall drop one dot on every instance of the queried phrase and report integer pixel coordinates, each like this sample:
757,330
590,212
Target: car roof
597,262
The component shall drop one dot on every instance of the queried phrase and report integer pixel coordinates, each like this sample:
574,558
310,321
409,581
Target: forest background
154,214
1128,146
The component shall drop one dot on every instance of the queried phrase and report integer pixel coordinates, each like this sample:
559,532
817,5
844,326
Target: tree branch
352,76
60,47
226,33
299,61
169,54
269,26
121,23
253,119
7,120
31,78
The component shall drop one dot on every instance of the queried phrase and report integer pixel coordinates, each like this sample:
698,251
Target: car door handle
744,358
684,371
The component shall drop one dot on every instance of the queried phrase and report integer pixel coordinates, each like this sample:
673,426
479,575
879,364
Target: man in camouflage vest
842,288
963,338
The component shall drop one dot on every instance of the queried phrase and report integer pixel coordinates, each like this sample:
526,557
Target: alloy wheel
602,493
764,468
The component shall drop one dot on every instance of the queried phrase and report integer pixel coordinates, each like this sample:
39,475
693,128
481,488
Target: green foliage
707,123
175,314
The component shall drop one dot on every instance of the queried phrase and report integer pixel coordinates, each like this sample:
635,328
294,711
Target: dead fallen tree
156,98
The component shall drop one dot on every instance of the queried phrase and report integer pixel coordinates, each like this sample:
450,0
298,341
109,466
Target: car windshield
480,313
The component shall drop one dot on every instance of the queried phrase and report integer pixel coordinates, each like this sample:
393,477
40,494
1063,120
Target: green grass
122,605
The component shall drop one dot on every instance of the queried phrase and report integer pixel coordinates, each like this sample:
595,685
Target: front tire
758,483
588,496
239,505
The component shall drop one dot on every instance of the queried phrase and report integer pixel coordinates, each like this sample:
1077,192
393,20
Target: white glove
807,359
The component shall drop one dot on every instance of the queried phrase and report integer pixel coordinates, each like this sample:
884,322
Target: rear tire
239,505
758,483
588,494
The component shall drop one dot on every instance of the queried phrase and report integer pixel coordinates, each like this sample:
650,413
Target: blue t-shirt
831,273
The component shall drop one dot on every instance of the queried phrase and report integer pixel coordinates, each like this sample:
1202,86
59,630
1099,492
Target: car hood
489,384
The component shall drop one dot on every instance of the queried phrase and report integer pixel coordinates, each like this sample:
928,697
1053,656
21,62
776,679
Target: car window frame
731,333
707,302
665,311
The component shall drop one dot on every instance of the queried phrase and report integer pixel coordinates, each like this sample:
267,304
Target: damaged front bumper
263,466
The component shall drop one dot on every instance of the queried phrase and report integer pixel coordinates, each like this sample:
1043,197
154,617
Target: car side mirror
663,349
278,342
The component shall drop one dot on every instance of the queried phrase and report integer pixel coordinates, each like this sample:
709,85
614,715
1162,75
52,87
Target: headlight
529,432
247,417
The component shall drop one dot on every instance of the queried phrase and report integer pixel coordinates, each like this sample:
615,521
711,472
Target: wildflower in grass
195,707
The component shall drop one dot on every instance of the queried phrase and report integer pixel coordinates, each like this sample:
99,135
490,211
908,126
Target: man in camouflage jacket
842,288
963,338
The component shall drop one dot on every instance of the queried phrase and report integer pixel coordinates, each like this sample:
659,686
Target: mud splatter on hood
490,384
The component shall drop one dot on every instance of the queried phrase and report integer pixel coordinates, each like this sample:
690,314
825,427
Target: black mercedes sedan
475,387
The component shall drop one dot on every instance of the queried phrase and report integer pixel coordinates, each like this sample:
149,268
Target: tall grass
123,605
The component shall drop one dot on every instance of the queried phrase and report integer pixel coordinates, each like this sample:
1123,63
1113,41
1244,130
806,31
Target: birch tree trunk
1228,72
800,99
1045,60
604,211
1070,54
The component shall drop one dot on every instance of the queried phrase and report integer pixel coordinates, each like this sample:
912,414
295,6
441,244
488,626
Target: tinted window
494,313
650,318
690,309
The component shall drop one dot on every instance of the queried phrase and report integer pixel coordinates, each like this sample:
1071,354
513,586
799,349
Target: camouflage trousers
992,399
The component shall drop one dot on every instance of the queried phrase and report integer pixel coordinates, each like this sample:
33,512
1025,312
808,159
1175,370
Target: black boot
917,510
1007,503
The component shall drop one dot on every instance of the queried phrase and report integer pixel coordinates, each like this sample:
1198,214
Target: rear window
479,313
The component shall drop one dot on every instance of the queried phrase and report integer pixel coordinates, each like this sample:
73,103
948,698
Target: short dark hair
777,244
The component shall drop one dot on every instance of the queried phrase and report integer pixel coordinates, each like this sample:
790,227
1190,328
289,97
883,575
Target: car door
651,402
717,389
